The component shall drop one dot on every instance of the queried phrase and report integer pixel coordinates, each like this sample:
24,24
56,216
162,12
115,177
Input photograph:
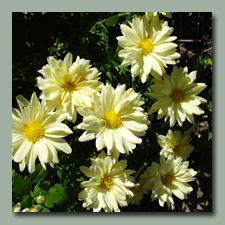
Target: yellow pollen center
69,86
107,182
34,131
113,120
176,148
167,179
146,46
177,96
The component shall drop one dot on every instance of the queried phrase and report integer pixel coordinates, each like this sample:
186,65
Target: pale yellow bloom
139,100
37,133
168,178
177,96
109,184
116,120
149,15
66,85
147,47
17,208
175,144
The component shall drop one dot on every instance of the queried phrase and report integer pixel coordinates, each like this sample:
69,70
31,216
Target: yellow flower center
69,86
113,120
177,96
107,182
34,131
167,179
176,148
146,46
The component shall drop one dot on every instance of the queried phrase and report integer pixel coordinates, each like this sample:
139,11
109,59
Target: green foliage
38,175
56,195
22,186
41,189
111,21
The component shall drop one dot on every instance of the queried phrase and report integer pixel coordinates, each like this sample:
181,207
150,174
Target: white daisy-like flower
66,85
109,184
168,178
17,208
116,120
149,15
147,47
175,144
177,96
37,133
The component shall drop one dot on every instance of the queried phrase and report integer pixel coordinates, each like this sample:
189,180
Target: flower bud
34,210
40,200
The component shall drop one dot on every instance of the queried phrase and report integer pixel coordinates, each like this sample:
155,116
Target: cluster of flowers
114,117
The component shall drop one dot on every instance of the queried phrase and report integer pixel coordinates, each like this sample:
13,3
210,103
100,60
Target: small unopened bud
34,210
40,200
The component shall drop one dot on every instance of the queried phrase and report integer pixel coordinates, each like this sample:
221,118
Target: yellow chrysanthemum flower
177,96
147,47
149,15
116,120
168,178
37,133
175,144
68,85
109,184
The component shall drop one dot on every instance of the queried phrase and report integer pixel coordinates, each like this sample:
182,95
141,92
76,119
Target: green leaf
209,135
59,174
41,189
41,208
104,37
209,105
114,63
38,175
56,195
26,202
13,172
52,49
109,52
111,21
21,186
109,76
80,179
